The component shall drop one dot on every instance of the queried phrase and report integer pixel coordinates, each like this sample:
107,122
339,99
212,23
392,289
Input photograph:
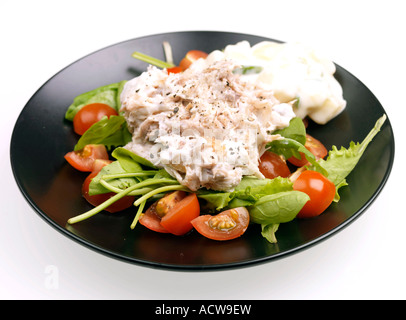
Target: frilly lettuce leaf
340,162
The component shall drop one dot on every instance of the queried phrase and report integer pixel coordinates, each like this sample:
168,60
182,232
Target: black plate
41,138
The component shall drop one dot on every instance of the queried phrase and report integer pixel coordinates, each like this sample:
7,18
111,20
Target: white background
364,261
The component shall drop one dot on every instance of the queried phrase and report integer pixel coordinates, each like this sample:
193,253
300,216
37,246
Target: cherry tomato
89,115
226,225
172,214
98,164
314,146
95,200
191,57
178,218
272,165
152,220
83,160
320,190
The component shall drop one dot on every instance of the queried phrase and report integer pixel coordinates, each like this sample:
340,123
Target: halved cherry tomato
272,165
178,219
90,114
314,146
95,200
226,225
83,160
320,190
98,164
152,220
174,217
191,57
170,200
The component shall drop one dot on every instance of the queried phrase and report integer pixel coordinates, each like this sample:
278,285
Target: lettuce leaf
269,230
340,162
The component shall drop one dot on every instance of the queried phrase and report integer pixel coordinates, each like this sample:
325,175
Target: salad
215,143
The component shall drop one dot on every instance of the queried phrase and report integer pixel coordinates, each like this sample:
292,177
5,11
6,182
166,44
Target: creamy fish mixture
208,126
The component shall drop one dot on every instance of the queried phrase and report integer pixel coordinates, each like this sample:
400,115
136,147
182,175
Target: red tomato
272,165
191,57
83,160
98,164
314,146
152,220
226,225
89,115
178,219
320,190
95,200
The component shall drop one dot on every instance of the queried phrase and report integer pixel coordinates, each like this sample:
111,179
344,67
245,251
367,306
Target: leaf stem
137,216
101,206
123,193
151,60
112,188
128,175
159,190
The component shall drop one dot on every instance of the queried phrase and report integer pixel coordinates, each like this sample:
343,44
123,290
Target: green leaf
252,189
340,162
296,131
95,187
269,230
214,200
278,208
131,161
248,191
111,132
108,94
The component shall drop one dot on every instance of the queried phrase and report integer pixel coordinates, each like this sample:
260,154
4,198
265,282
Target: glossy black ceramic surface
42,137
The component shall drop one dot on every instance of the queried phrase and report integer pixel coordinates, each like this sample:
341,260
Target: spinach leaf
248,191
108,94
112,132
130,161
292,143
278,208
114,168
296,130
288,148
